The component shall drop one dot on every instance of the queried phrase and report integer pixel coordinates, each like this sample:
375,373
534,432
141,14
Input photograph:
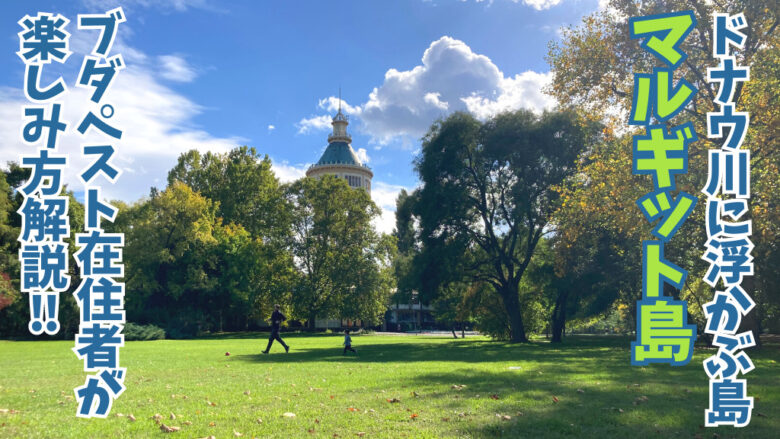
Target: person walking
276,321
348,343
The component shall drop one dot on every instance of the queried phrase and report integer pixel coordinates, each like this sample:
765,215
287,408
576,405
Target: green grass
596,389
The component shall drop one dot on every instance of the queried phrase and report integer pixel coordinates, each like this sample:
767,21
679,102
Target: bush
143,332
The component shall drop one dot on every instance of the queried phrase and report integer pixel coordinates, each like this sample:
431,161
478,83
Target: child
348,343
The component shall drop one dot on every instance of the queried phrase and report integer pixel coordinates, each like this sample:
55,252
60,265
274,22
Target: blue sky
213,75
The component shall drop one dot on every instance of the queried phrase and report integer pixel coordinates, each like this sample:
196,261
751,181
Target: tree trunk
310,323
462,330
559,317
512,308
454,334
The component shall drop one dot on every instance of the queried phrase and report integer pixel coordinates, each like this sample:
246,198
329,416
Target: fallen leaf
494,396
506,418
227,354
519,413
172,416
187,422
555,399
457,386
580,391
361,433
415,394
445,419
259,421
620,410
131,417
167,429
310,431
157,418
331,396
393,400
289,415
212,424
414,415
352,409
246,392
237,434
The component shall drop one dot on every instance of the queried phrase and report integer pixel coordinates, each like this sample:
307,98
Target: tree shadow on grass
675,404
420,349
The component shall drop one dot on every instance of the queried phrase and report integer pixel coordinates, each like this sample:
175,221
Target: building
339,158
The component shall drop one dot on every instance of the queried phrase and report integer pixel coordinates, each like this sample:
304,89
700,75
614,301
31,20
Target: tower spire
340,122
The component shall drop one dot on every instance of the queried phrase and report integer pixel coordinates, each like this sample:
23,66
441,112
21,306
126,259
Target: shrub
143,332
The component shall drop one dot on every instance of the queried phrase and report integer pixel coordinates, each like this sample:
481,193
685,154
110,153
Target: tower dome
339,158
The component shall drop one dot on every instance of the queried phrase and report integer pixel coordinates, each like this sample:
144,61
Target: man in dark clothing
276,321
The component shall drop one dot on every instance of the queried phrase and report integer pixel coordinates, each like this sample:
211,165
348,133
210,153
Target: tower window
353,180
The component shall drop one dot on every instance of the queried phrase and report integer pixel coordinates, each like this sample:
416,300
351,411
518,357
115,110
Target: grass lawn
510,390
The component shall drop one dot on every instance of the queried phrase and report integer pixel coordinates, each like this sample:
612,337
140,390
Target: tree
344,265
244,186
489,187
593,68
188,272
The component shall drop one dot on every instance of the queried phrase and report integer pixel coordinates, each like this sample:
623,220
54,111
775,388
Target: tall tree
593,68
489,186
343,263
244,186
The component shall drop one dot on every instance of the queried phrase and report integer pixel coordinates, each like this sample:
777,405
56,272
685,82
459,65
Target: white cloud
331,104
288,173
157,125
176,68
362,155
384,195
540,4
271,128
450,78
524,90
314,124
